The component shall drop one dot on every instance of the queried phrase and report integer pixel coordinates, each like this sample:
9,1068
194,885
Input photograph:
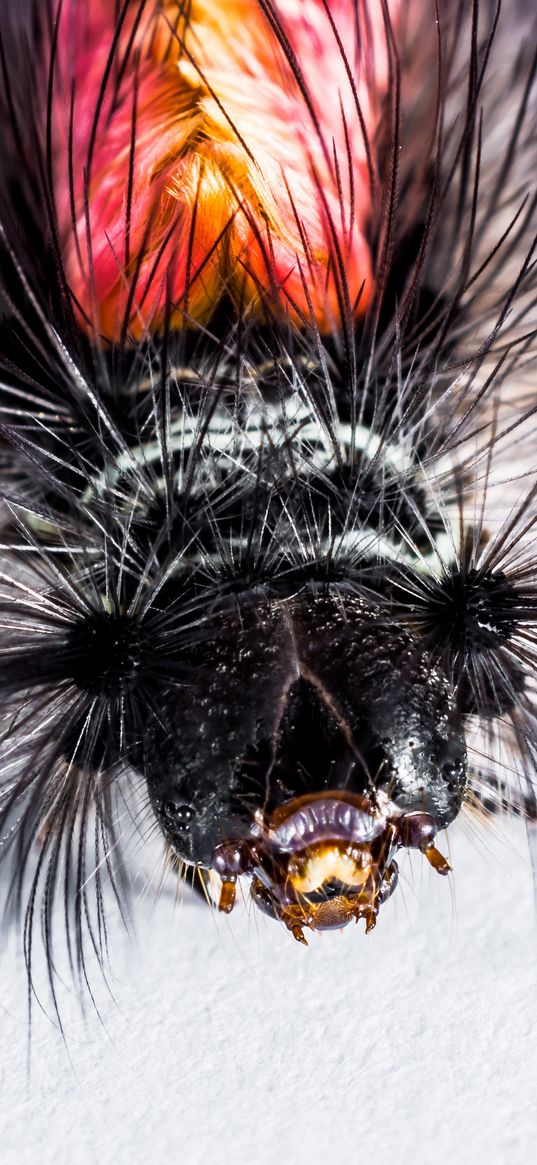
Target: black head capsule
308,743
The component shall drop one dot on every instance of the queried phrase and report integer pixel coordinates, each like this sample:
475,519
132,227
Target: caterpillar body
268,286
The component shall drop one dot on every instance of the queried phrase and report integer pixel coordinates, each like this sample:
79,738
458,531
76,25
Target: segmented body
270,467
251,404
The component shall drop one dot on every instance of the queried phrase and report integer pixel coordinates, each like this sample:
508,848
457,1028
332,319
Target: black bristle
469,612
105,653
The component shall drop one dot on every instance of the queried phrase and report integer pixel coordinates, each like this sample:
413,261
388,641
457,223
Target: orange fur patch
210,156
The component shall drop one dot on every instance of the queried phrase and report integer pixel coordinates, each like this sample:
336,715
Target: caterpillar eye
177,815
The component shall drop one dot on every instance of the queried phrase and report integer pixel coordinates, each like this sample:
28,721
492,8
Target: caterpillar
267,348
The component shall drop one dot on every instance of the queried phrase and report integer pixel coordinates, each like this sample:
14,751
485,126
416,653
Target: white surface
229,1042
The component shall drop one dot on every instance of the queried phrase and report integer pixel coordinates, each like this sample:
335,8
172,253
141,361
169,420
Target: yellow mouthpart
327,864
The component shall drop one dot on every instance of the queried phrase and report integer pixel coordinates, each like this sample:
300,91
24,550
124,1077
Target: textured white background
228,1042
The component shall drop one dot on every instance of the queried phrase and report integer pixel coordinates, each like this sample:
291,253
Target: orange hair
217,147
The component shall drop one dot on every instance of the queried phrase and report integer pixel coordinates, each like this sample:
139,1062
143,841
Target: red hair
218,146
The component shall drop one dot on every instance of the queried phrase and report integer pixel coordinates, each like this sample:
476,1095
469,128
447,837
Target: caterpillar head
305,761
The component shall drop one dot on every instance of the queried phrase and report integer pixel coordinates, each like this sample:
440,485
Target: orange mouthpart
217,147
323,859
